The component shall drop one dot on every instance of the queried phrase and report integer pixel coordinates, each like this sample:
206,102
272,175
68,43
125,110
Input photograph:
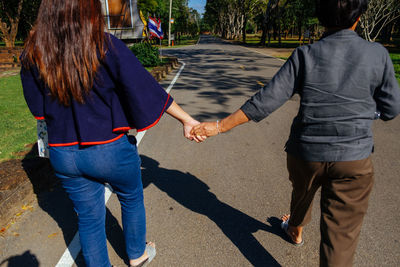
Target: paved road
218,203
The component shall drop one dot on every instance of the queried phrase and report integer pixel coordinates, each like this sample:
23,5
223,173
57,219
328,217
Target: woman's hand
187,129
206,129
187,121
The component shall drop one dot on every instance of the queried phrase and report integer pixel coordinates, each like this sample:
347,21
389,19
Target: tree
287,15
10,12
215,11
268,19
248,11
29,13
16,19
380,13
148,7
229,18
181,13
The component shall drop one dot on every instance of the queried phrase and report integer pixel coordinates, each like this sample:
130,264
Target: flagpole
169,23
160,49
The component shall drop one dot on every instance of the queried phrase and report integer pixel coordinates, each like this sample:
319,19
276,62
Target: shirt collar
340,33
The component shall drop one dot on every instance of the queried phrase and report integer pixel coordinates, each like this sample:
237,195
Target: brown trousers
345,188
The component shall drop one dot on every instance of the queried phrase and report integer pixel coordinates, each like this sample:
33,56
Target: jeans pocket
63,161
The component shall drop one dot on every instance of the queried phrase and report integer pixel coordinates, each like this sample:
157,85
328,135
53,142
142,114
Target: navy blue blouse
124,96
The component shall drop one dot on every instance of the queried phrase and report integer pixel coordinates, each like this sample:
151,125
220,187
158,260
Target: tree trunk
264,30
274,31
269,38
279,36
299,30
267,21
244,29
392,31
279,33
9,32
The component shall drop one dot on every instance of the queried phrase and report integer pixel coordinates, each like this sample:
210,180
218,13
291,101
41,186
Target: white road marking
176,77
70,254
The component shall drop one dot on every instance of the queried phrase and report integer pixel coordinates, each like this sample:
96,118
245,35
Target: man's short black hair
340,13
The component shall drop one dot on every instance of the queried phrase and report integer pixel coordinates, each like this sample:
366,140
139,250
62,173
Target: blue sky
198,4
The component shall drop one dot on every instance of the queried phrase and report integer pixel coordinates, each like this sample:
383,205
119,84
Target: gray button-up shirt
342,81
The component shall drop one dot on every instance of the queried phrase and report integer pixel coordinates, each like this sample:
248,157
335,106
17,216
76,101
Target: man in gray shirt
344,83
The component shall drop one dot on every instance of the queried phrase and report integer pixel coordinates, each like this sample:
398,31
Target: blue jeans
83,172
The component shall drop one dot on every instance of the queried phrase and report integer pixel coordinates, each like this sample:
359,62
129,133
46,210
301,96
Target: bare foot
143,258
294,232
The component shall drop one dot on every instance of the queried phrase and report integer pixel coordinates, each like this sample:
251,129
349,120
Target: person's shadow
193,194
25,259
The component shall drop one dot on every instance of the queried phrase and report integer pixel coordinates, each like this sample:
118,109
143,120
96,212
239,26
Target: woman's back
124,96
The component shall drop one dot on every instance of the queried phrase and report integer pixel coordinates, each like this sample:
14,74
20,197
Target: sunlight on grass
290,42
185,41
17,125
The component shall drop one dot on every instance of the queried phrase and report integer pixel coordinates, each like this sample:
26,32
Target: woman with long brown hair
91,90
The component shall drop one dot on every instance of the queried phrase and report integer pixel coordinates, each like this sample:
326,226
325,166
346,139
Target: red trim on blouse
102,142
154,123
122,129
65,144
39,118
89,143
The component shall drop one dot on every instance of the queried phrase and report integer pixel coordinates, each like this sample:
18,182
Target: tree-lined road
218,203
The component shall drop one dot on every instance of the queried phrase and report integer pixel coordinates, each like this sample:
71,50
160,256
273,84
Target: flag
142,18
155,28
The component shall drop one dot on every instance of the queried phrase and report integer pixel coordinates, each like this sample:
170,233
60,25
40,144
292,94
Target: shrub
147,54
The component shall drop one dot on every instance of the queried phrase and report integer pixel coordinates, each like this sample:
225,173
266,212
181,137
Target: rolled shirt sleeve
280,89
33,95
387,95
144,98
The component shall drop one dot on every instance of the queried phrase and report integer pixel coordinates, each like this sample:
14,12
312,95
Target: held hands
200,131
187,121
205,129
194,130
187,131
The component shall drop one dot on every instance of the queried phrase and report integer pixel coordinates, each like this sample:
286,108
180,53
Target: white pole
160,49
169,23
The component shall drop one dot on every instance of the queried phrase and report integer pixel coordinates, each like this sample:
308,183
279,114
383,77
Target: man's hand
187,131
205,129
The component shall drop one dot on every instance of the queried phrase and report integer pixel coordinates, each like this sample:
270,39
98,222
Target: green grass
185,40
254,39
17,125
396,63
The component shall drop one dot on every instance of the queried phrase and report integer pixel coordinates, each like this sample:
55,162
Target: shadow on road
193,194
25,259
218,72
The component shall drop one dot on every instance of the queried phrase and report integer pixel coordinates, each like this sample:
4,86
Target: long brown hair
66,44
